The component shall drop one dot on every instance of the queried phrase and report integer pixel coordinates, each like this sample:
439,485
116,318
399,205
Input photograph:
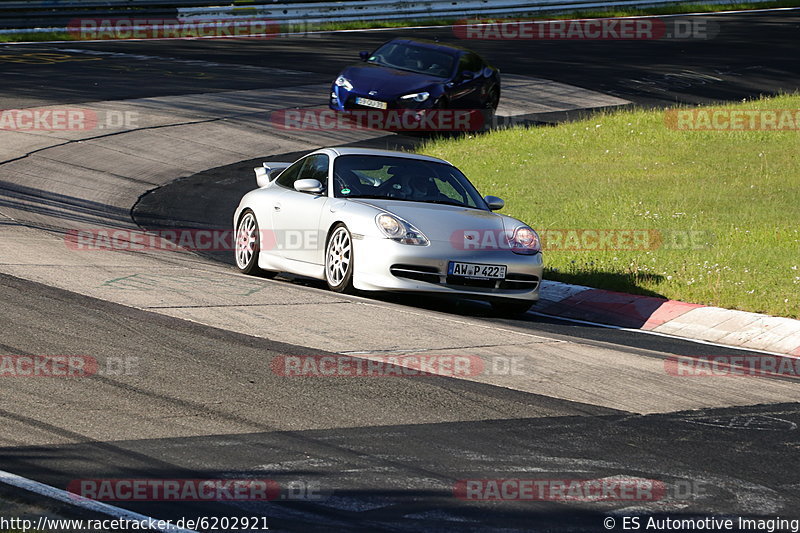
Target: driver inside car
419,188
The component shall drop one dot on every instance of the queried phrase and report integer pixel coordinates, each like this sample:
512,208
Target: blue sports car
417,74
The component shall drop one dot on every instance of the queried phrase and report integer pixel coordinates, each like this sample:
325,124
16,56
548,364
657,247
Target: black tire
490,109
511,307
492,99
248,245
339,260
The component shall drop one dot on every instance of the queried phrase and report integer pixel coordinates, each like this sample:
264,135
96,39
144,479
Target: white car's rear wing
268,171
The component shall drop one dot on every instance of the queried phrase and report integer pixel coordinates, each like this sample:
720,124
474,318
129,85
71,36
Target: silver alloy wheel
246,236
338,257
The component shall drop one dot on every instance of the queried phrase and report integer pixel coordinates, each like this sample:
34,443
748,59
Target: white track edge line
84,503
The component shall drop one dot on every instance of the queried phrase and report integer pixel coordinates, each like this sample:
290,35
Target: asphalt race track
185,387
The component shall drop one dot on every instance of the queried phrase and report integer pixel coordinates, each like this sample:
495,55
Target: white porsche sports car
377,220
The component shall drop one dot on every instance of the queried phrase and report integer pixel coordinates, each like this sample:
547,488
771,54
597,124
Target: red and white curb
725,327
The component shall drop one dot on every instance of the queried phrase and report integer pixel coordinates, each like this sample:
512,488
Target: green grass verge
357,25
740,191
34,37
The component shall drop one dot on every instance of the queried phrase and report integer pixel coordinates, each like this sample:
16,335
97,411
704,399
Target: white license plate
371,103
476,271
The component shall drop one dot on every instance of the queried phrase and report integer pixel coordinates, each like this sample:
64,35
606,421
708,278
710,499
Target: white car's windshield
400,178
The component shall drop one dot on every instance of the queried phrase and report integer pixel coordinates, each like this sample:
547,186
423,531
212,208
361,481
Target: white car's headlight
525,241
399,230
341,81
417,97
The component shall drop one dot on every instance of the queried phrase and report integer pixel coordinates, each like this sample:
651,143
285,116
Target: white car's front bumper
385,265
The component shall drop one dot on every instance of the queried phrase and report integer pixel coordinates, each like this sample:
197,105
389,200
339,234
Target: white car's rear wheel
339,260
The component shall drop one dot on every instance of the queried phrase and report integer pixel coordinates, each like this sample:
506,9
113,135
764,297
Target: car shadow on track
629,282
364,478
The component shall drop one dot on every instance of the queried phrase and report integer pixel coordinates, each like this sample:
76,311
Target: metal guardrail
419,10
49,15
58,15
34,5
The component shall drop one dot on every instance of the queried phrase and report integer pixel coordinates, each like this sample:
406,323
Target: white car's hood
441,222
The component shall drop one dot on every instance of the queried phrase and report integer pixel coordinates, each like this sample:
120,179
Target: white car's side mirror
308,185
494,203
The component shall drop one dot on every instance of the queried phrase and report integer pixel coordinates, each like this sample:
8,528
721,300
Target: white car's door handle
277,207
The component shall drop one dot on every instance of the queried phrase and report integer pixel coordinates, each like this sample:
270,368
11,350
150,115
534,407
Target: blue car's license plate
371,103
476,270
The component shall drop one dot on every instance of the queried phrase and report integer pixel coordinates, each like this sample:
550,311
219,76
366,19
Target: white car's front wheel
247,243
339,260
